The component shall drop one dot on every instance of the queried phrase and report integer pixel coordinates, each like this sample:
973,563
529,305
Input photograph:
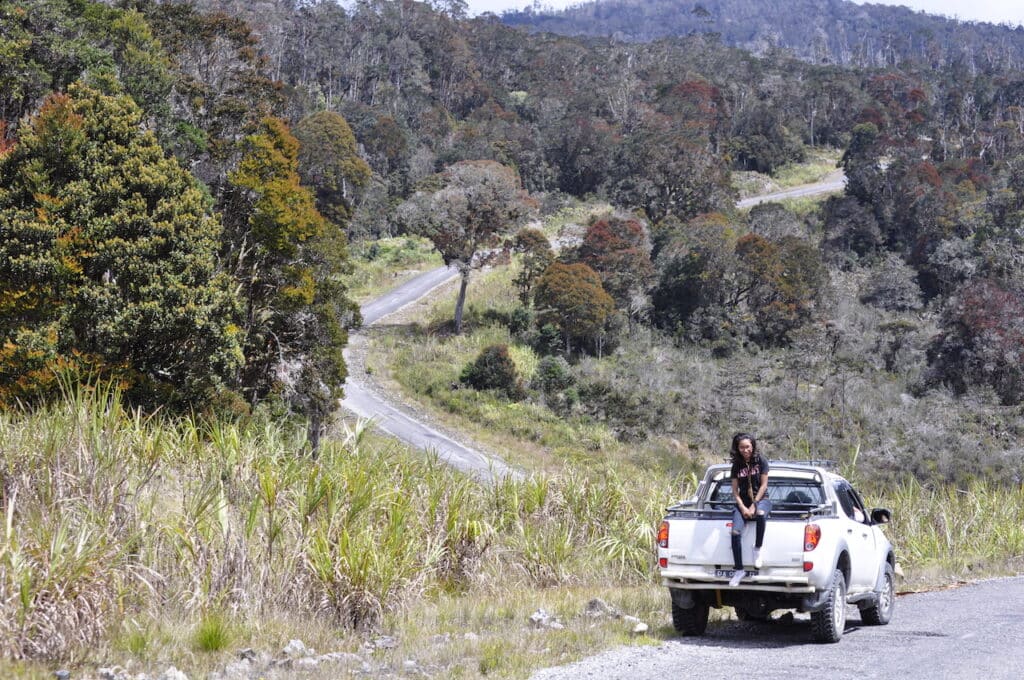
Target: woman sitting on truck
750,490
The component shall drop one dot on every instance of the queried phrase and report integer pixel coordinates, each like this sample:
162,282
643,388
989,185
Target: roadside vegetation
383,264
194,198
187,540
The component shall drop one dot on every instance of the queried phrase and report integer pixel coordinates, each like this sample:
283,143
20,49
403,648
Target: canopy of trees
107,259
408,116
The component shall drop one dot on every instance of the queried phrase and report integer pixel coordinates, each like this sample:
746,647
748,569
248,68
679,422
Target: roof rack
822,463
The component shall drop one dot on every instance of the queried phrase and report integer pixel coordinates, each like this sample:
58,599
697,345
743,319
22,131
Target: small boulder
296,649
598,608
542,619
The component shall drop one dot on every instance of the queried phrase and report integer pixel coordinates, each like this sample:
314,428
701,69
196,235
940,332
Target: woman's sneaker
736,578
758,562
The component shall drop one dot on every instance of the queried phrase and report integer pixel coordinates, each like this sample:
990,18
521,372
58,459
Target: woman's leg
764,507
737,546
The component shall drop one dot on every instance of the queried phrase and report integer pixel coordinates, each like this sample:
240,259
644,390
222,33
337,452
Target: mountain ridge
835,32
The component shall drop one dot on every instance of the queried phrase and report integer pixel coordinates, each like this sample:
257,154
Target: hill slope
834,31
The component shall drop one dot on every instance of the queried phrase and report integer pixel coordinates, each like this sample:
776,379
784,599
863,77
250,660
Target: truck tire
690,620
880,613
828,623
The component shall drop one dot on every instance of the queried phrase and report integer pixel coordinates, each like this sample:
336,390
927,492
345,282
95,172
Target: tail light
812,534
663,535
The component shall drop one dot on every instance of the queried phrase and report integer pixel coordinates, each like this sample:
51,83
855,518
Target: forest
189,175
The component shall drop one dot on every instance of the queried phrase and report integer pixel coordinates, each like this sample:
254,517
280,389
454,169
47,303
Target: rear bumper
787,581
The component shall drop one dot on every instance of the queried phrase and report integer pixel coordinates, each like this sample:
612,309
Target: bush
553,375
892,286
494,370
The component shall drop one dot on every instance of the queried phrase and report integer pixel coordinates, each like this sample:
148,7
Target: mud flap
681,598
814,602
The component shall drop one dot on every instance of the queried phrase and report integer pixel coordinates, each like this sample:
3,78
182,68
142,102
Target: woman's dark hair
735,453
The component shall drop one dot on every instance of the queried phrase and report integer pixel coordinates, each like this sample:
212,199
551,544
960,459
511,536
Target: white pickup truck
822,550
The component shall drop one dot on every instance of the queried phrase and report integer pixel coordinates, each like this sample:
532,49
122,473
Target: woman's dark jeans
739,521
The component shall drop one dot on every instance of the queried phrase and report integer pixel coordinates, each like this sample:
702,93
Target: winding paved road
975,631
365,402
834,182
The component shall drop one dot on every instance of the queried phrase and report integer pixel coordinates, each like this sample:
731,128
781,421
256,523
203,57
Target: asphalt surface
974,631
834,182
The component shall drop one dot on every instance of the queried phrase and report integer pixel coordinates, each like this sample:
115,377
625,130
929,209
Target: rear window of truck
785,494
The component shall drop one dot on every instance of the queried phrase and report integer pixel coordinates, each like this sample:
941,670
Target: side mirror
881,516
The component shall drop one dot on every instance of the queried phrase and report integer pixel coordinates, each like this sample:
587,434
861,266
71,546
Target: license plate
727,573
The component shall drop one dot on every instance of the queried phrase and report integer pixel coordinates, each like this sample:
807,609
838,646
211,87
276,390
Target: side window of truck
850,503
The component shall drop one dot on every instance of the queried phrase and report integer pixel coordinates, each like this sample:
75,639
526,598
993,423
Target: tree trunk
461,301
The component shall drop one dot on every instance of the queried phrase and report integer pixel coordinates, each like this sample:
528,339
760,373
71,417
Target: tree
330,164
537,255
862,165
892,285
107,259
471,205
287,259
619,250
666,172
494,369
570,297
696,270
782,282
45,45
981,341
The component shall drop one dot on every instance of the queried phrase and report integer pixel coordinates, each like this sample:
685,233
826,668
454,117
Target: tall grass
109,516
958,531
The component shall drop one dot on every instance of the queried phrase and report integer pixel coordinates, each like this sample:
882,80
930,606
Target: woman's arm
736,496
763,491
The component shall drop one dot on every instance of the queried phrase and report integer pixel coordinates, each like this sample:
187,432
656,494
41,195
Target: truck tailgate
708,542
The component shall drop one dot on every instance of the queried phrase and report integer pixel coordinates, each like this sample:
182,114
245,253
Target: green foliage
553,375
468,208
536,256
287,259
48,44
221,84
571,298
494,369
212,634
761,141
783,280
108,259
330,164
696,269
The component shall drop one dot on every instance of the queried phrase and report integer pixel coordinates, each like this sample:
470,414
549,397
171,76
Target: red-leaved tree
982,341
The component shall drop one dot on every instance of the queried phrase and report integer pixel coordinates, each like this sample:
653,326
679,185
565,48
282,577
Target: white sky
995,11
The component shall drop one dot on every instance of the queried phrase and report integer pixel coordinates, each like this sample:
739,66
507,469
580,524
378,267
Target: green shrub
213,634
553,375
494,370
